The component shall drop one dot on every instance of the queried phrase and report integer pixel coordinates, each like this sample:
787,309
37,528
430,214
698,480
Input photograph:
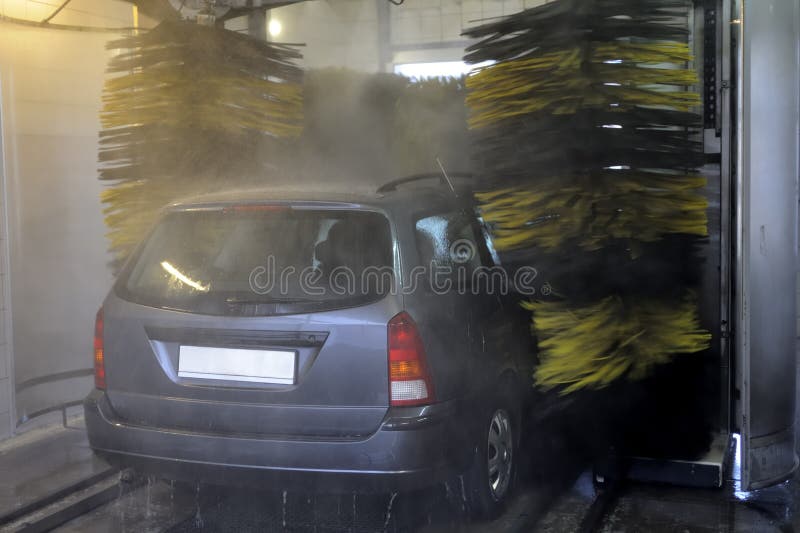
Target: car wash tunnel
399,265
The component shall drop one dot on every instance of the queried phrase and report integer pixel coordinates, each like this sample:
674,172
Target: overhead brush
584,134
186,108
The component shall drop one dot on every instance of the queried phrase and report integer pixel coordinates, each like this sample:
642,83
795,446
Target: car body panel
336,418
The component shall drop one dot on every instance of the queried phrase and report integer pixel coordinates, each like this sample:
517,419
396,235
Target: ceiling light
274,27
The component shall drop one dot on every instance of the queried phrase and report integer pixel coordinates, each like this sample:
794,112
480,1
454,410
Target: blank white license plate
231,364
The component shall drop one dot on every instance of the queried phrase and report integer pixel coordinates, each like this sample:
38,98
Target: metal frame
50,378
724,123
62,407
737,202
766,211
166,10
5,270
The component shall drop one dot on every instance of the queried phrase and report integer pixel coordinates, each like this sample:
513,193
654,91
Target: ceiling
225,9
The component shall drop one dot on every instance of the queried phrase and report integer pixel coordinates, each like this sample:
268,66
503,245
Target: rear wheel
491,476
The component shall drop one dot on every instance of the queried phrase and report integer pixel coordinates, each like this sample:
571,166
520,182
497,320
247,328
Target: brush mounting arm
189,9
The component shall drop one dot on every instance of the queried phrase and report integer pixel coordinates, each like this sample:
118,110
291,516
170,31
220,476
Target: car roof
417,195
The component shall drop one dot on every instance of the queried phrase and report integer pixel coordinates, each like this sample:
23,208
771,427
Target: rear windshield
262,260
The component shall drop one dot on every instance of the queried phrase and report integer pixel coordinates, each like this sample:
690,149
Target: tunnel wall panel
767,249
51,98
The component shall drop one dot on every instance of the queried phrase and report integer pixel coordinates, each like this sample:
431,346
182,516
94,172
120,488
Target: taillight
410,381
99,356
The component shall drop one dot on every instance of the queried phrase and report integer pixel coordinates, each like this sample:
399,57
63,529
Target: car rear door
192,342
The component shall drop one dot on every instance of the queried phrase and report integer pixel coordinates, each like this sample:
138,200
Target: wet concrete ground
44,461
160,506
546,507
152,505
641,507
648,508
556,495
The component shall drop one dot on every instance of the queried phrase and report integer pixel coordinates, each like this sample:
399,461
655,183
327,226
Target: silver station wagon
326,341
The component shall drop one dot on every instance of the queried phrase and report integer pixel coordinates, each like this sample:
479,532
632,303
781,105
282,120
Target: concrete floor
43,462
643,508
564,500
159,506
640,507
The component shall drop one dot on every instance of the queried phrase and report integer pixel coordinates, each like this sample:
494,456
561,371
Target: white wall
337,33
431,21
344,33
51,83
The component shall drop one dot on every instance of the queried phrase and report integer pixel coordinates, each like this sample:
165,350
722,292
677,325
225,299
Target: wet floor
642,507
159,506
647,508
553,494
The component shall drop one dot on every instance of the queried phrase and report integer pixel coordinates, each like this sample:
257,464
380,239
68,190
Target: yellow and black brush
186,108
583,129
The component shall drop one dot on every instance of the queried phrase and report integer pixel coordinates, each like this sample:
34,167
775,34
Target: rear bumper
413,448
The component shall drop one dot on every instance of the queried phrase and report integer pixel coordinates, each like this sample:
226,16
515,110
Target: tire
490,480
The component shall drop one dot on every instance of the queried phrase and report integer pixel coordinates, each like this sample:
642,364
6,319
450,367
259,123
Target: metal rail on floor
602,505
60,407
66,504
52,378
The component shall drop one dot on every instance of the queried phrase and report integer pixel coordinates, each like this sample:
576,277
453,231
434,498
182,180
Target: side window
451,240
487,238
